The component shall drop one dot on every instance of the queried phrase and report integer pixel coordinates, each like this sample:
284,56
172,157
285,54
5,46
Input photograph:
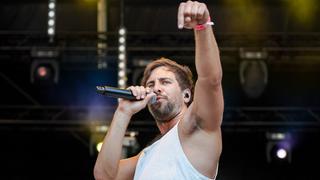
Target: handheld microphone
120,93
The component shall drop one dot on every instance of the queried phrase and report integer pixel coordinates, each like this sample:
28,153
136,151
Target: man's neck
164,127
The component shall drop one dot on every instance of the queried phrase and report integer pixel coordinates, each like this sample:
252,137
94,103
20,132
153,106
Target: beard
162,112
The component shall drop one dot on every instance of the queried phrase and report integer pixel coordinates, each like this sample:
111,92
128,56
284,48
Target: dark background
47,129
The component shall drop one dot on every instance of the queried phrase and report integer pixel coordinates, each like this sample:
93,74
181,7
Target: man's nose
157,88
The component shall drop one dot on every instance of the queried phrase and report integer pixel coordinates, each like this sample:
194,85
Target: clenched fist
192,13
142,94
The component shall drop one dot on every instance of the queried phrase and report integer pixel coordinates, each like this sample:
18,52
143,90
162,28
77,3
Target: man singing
188,116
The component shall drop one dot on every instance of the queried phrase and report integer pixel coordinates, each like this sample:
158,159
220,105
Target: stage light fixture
122,40
121,83
52,5
121,73
122,48
44,71
253,72
50,31
51,22
282,153
51,19
122,31
122,59
51,14
279,148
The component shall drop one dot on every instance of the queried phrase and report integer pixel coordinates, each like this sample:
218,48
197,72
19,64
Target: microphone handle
116,92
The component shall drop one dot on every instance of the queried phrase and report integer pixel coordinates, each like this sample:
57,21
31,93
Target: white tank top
165,160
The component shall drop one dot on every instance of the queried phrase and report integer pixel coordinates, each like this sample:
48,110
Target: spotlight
279,151
121,73
51,22
122,40
99,146
50,31
122,31
282,153
52,5
121,83
122,57
121,65
279,148
51,14
122,48
44,71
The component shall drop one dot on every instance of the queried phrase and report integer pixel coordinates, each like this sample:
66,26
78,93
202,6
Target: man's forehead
160,73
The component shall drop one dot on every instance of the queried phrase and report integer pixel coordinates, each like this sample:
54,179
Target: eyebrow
160,79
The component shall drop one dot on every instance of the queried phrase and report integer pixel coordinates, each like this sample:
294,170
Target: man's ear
187,95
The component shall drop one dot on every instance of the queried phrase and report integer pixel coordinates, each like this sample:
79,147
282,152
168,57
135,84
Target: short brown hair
182,73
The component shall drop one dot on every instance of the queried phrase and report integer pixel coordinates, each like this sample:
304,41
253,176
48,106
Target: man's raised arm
208,98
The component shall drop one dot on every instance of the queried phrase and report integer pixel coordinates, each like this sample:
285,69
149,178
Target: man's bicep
208,105
127,168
